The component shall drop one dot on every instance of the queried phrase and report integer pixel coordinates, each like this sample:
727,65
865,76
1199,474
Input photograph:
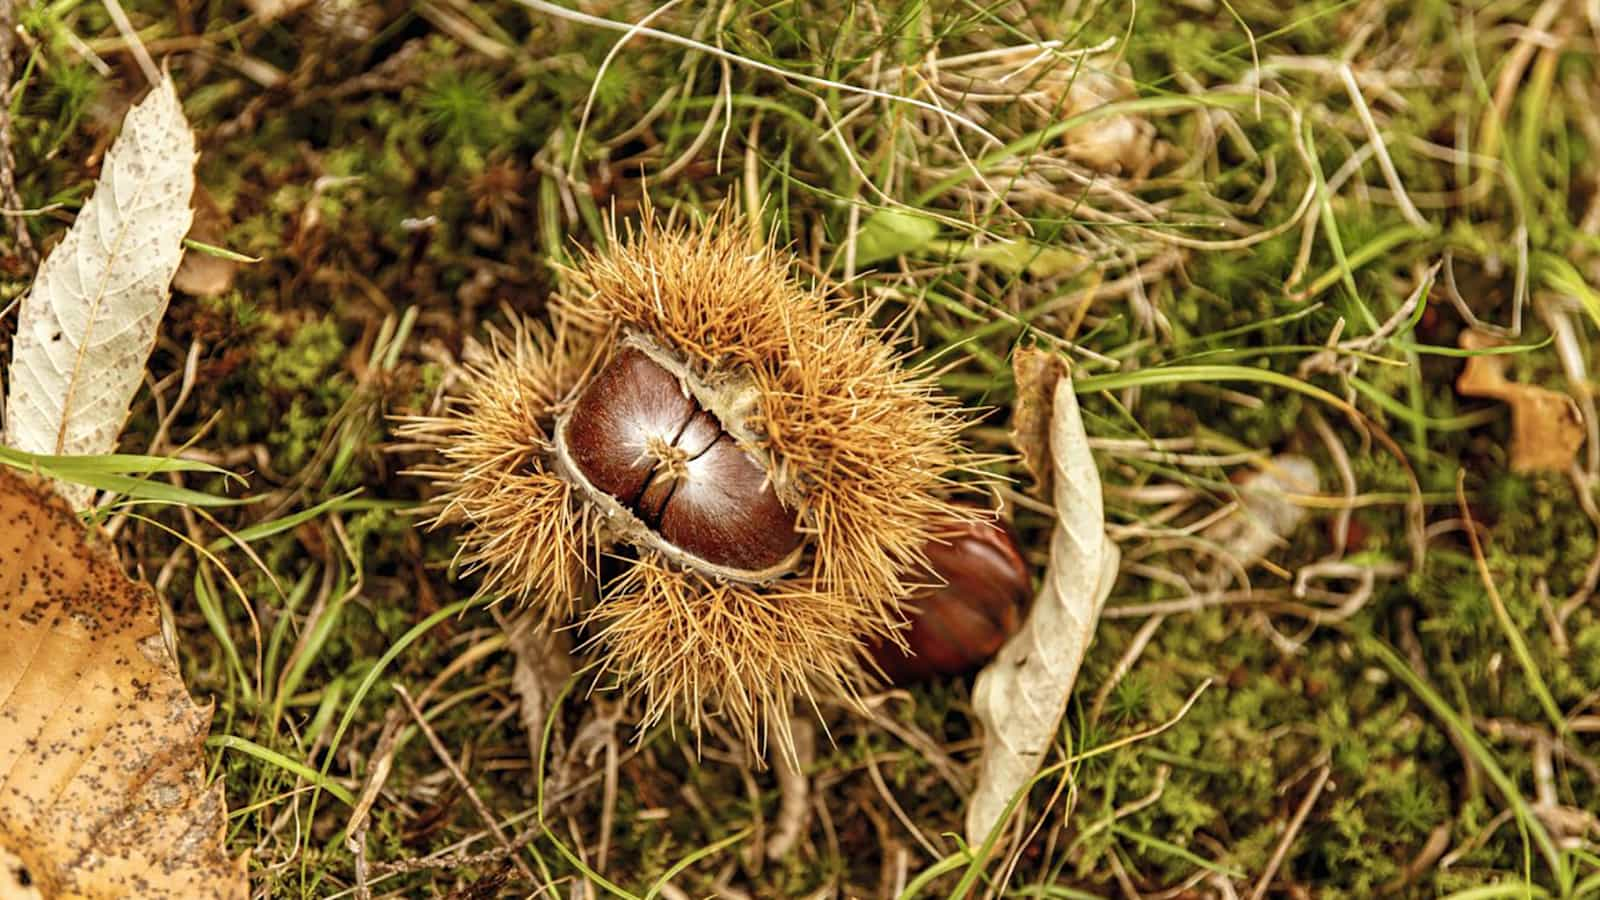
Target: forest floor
1254,227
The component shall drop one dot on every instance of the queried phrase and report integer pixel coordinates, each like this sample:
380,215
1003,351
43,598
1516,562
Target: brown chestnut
961,624
638,435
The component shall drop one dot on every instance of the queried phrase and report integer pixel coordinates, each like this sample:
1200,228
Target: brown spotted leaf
102,779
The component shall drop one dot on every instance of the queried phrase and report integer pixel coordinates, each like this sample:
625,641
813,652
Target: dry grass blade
87,326
1021,695
102,787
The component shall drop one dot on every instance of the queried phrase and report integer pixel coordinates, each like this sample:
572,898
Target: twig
461,779
600,73
131,36
1290,834
582,18
378,773
794,789
1129,892
899,812
1141,639
1434,847
1386,165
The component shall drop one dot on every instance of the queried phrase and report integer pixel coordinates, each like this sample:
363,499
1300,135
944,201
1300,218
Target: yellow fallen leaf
1546,426
102,780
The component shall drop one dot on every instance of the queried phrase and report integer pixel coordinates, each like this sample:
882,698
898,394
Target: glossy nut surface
636,434
961,625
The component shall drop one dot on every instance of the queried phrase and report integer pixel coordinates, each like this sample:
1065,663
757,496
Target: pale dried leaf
1116,143
102,778
1021,695
272,10
86,328
1546,426
1266,516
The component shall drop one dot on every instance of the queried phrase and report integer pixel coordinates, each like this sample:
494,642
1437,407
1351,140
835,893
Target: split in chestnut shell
638,436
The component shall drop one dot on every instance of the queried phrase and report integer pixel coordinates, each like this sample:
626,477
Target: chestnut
638,435
961,622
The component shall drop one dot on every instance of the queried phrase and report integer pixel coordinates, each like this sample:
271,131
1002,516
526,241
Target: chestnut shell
638,435
961,624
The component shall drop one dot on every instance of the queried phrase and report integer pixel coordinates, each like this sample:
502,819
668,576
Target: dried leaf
1036,373
1265,516
272,10
1020,696
205,274
86,328
102,779
1111,143
1546,425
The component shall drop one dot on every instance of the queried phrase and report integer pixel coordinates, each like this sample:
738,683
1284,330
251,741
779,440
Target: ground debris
1546,425
205,274
543,666
1266,515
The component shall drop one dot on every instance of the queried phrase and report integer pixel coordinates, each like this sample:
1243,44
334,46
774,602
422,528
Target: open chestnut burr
762,473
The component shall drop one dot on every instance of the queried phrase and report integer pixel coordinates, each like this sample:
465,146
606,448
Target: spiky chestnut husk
859,446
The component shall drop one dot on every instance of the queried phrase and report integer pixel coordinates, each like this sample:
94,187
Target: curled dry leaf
1546,425
102,779
1021,695
1036,374
86,328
